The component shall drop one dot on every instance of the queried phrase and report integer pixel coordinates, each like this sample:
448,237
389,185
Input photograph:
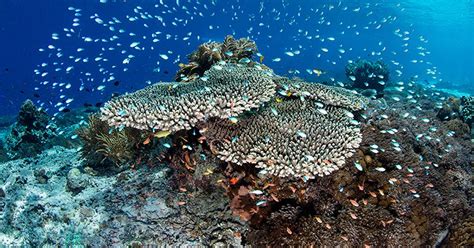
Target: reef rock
450,109
135,207
76,180
30,134
368,75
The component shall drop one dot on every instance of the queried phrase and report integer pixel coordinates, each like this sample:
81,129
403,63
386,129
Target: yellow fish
318,72
208,172
261,58
162,134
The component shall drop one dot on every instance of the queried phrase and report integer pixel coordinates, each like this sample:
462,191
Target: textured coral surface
225,91
291,138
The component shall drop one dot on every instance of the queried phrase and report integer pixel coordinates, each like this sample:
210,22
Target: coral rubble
76,208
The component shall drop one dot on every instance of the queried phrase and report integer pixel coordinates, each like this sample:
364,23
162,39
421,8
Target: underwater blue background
26,26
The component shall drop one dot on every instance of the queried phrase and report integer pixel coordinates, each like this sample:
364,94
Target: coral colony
298,129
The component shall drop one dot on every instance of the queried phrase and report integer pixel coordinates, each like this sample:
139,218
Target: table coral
323,126
225,90
293,138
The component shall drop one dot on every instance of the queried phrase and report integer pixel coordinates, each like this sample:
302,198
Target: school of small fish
99,50
149,34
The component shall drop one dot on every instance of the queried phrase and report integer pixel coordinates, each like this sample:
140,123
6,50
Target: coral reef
208,54
31,132
227,159
410,184
456,111
368,75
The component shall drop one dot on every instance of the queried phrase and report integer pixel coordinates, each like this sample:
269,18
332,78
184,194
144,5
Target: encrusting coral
208,54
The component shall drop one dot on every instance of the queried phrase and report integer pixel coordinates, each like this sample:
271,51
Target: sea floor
424,197
49,199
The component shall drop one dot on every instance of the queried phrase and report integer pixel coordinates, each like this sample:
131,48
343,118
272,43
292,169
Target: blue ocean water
62,54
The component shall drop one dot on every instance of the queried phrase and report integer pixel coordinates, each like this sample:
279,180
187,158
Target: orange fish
147,141
353,216
234,181
354,203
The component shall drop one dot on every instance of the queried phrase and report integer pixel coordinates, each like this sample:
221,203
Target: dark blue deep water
52,51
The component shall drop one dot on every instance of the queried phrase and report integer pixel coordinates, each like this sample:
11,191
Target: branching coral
241,48
224,91
368,75
208,54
